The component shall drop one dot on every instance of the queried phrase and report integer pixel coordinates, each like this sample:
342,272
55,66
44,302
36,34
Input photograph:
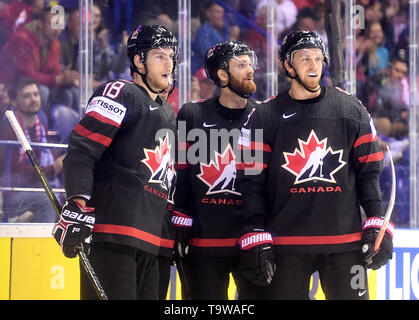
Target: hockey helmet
217,57
147,37
302,40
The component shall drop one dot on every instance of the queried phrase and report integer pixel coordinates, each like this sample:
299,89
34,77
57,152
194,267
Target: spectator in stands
213,31
4,100
255,39
69,44
16,14
307,20
378,55
392,96
300,4
103,55
34,51
202,86
286,13
17,171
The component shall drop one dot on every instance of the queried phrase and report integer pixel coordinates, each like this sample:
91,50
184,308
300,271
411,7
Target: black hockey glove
182,224
370,231
74,229
257,260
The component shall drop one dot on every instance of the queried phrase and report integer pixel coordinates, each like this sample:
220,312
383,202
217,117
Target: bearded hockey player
207,213
322,164
116,172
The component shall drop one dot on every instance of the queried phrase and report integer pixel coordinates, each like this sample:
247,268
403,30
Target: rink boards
33,267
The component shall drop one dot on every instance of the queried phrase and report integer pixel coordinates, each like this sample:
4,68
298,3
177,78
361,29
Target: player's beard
243,87
309,82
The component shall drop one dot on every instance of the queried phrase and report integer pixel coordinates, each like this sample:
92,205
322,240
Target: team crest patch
160,163
220,175
313,160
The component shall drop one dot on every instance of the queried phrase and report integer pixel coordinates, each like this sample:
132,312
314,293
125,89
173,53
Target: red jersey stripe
378,156
97,137
367,138
197,242
103,119
313,240
251,166
184,145
134,232
256,146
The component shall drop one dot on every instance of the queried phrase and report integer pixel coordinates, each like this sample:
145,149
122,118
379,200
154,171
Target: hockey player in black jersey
117,174
207,213
323,163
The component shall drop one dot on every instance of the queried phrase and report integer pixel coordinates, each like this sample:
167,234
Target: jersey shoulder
349,105
195,109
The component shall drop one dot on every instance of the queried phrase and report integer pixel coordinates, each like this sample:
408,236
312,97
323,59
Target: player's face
308,64
242,72
159,68
28,100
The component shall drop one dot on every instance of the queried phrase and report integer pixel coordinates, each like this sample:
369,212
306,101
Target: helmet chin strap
144,78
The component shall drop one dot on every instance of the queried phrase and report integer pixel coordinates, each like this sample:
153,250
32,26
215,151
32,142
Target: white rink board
399,279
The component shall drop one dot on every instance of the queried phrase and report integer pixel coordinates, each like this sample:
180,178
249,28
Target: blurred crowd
30,48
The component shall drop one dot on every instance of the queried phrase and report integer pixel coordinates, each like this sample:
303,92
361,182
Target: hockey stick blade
53,198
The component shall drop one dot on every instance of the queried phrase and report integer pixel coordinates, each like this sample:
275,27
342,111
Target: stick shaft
53,199
390,206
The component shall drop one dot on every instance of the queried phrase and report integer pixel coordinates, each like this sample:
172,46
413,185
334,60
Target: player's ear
139,64
288,68
223,76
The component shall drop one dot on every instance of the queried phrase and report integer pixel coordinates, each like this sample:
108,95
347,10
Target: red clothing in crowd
15,14
305,3
22,173
22,56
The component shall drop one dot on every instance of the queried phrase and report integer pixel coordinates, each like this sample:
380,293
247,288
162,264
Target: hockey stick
54,201
390,207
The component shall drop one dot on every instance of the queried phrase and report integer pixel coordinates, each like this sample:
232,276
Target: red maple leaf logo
307,161
220,175
158,161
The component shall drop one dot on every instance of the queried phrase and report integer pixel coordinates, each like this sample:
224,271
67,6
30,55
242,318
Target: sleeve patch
107,108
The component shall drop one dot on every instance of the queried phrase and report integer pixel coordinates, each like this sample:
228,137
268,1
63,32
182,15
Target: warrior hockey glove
74,229
182,224
257,261
370,231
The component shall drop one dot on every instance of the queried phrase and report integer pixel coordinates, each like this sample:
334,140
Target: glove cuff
180,219
83,208
376,222
253,239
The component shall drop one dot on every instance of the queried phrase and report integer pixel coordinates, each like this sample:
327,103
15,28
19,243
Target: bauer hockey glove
257,260
370,230
74,229
182,224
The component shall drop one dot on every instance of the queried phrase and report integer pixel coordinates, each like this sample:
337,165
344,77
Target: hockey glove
182,224
370,231
74,229
257,260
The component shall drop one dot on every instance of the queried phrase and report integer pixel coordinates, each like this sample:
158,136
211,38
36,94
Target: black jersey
324,161
206,186
119,157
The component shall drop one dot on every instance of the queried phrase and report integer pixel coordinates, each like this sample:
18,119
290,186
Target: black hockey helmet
147,37
217,57
302,40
